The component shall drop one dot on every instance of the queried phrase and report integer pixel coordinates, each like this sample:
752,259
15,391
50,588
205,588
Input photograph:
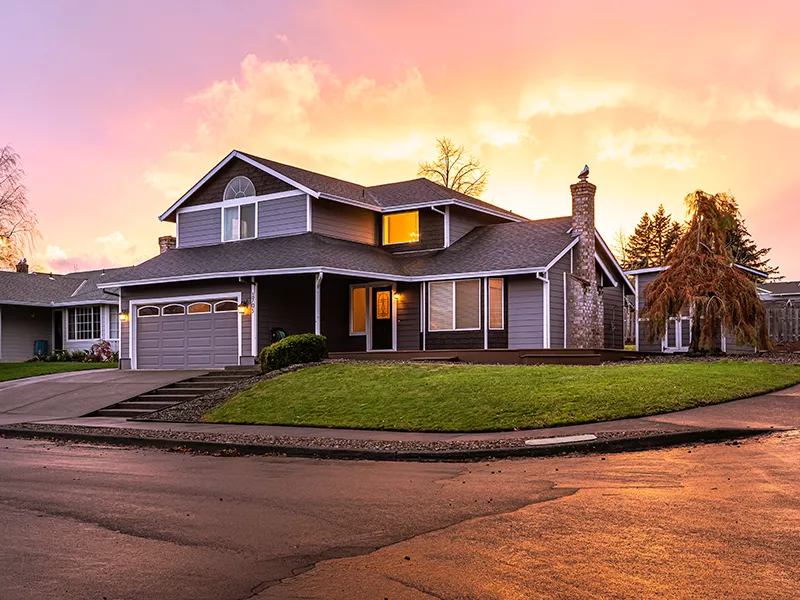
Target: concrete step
188,392
195,391
121,412
144,405
219,382
191,385
173,398
243,369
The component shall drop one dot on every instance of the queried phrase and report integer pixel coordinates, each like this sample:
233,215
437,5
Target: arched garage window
226,306
199,307
174,309
148,311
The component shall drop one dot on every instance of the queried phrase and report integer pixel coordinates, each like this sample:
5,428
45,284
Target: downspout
545,279
318,303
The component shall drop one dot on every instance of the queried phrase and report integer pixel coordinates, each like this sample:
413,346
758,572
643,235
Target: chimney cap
584,174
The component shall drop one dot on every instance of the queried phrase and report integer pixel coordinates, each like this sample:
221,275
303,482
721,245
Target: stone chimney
22,266
584,302
166,242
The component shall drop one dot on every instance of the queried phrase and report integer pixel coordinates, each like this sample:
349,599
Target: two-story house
263,248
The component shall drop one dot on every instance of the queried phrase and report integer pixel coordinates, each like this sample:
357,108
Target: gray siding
334,312
282,216
408,326
525,313
613,336
645,345
463,220
20,327
731,347
287,301
343,221
200,228
213,189
557,291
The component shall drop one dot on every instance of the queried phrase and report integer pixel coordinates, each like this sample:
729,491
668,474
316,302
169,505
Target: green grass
9,371
492,398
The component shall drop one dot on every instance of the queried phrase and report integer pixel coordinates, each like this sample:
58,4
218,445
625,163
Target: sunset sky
117,108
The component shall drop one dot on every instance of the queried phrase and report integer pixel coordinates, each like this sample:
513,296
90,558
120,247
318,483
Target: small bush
293,350
100,352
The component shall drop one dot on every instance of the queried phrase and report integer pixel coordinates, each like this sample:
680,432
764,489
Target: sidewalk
751,416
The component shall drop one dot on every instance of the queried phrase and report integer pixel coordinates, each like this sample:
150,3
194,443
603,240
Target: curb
646,442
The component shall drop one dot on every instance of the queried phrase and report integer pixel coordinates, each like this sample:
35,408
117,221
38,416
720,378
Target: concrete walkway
779,410
70,395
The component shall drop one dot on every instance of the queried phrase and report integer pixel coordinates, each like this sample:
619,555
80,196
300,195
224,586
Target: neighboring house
782,301
780,293
69,312
679,329
262,247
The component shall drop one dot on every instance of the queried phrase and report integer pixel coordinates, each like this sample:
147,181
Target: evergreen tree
744,250
652,240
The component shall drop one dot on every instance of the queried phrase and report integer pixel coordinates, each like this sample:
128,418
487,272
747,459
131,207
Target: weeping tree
701,278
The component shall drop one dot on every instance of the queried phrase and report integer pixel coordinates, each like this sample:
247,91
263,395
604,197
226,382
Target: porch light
244,308
124,316
397,295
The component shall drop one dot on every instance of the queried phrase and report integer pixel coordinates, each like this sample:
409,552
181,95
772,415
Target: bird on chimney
584,175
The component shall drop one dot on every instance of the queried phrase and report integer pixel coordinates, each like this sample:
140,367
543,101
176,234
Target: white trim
235,178
561,254
183,314
422,314
603,268
274,173
329,271
318,304
202,312
564,273
486,313
384,229
365,287
446,226
610,254
91,339
239,221
247,200
646,270
545,279
455,308
254,318
1,333
134,316
222,312
394,316
177,230
571,261
309,220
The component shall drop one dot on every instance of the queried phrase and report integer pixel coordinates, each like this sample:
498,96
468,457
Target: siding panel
335,314
408,333
213,189
556,275
645,345
200,228
613,318
345,222
21,327
525,313
282,216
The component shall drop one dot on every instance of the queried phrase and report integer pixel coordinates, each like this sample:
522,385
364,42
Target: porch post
485,313
317,304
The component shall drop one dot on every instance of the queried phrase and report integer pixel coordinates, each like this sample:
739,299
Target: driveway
70,395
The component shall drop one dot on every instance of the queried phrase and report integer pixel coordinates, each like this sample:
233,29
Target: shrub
100,352
77,356
293,350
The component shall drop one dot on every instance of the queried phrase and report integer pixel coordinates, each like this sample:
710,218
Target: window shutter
468,304
441,306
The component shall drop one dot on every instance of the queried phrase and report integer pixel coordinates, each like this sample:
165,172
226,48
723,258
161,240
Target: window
401,228
226,306
199,307
496,309
383,308
358,311
173,309
84,323
113,322
149,311
454,305
239,222
239,187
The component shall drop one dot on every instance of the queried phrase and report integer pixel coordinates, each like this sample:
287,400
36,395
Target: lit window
401,228
495,304
358,310
383,310
226,306
454,305
199,307
84,323
239,187
240,222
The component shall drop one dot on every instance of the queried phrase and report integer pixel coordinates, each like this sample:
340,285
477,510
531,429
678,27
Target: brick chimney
584,302
166,242
22,266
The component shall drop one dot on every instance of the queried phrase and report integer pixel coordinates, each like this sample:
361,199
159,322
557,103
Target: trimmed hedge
293,350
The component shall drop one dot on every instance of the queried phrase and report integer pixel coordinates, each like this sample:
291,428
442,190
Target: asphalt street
714,521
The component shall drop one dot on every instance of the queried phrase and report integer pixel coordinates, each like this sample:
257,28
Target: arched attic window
239,187
239,219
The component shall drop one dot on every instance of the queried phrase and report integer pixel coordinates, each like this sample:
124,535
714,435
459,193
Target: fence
783,324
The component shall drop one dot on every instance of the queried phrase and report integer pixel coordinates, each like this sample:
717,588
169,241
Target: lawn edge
629,444
116,366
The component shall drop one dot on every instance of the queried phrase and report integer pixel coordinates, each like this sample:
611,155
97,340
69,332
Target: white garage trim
143,302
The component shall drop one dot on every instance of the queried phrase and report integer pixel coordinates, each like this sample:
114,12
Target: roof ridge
269,160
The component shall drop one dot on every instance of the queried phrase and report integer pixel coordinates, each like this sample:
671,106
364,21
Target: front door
58,330
382,318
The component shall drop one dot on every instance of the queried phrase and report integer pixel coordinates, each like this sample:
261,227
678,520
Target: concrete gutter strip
624,444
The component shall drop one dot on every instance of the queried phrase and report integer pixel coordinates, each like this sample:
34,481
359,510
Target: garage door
187,335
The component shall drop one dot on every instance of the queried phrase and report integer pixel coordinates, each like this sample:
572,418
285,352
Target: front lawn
9,371
492,398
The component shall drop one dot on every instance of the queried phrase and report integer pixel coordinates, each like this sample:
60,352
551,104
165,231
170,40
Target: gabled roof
38,289
782,288
380,198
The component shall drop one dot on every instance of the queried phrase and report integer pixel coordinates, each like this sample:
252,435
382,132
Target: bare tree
456,169
17,220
